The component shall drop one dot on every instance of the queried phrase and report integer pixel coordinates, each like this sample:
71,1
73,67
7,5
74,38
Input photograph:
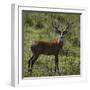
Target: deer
48,48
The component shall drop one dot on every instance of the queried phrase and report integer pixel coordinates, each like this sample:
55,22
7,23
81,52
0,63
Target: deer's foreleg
56,63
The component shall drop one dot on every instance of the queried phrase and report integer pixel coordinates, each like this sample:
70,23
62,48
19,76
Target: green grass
44,66
69,64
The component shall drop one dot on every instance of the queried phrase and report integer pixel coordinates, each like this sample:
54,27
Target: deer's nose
62,36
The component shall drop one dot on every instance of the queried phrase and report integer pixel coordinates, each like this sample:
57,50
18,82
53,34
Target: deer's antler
68,27
56,26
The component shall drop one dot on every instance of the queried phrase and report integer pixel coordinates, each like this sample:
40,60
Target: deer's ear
64,32
57,31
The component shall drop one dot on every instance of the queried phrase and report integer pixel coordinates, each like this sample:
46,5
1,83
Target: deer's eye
64,32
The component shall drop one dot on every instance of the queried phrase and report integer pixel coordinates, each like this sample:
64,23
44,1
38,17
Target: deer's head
62,33
62,29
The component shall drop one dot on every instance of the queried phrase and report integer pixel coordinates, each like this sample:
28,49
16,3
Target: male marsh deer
48,48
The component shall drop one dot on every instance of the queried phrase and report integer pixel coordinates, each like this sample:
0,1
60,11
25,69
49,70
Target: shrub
39,25
28,21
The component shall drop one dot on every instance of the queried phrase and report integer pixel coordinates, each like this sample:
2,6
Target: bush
39,25
76,42
28,21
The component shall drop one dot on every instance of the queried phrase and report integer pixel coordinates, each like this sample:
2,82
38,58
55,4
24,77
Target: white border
16,75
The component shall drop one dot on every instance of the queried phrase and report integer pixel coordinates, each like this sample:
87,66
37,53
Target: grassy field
38,26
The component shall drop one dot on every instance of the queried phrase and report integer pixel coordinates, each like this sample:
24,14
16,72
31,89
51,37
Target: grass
69,64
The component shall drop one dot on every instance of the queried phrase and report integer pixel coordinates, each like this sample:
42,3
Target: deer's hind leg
31,63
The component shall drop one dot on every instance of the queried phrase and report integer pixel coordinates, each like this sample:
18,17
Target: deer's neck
61,41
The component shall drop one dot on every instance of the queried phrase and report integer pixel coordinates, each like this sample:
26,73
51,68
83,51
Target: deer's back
49,48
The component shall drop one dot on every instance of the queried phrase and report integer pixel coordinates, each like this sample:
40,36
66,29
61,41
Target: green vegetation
38,26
